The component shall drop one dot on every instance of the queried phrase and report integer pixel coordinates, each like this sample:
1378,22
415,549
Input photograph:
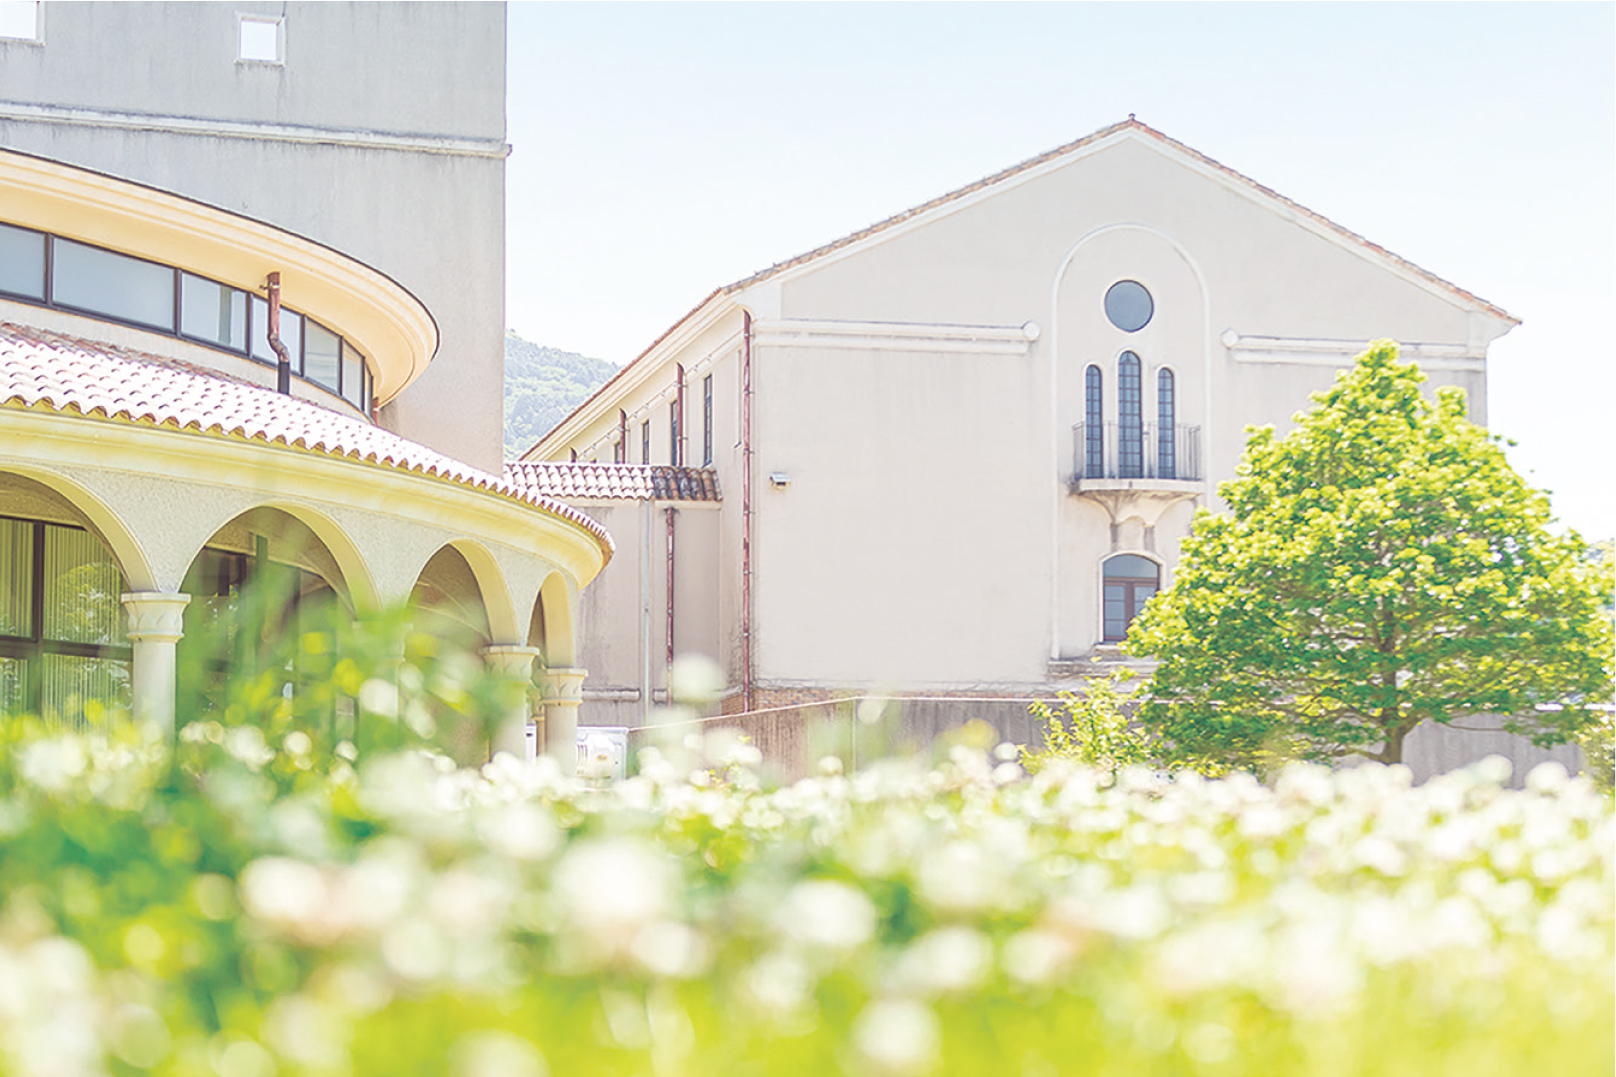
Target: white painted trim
893,336
1056,434
1224,177
636,374
1301,351
20,112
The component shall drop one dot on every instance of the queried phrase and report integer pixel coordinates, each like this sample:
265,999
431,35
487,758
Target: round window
1129,306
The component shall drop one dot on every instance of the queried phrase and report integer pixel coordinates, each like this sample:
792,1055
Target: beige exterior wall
916,392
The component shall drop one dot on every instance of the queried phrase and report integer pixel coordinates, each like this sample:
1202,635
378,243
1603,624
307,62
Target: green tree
1095,730
1380,566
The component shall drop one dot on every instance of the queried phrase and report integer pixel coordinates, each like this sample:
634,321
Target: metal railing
1136,451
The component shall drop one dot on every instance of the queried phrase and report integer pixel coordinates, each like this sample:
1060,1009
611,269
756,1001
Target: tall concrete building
374,128
251,325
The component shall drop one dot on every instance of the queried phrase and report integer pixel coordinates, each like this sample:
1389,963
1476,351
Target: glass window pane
13,685
322,355
1128,306
353,377
102,282
213,312
82,585
22,262
1129,566
16,578
77,692
19,20
291,335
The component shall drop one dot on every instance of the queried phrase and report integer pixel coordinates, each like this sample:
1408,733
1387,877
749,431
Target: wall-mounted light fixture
779,479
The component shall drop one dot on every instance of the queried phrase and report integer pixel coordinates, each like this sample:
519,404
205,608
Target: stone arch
551,626
1061,338
446,575
93,513
303,537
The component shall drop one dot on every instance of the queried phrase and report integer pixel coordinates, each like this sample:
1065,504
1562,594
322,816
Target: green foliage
542,386
1380,566
1095,730
234,905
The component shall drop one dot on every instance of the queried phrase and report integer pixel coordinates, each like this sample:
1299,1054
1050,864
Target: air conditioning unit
603,752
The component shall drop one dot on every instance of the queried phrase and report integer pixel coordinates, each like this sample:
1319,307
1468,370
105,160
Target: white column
517,663
563,692
156,622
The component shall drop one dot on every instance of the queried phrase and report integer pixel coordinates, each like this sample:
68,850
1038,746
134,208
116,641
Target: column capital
158,616
563,685
511,658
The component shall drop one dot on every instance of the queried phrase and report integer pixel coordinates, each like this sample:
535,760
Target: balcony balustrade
1117,451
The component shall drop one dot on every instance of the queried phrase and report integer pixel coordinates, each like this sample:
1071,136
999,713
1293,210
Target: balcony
1117,463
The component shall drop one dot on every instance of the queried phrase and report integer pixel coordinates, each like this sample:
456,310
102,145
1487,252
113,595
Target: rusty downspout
747,687
670,512
283,365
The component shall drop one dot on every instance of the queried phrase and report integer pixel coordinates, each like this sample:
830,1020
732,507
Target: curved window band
64,274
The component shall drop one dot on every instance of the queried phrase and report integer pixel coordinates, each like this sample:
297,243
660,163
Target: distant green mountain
542,386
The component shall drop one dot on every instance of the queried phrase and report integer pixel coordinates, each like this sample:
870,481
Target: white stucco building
956,451
250,321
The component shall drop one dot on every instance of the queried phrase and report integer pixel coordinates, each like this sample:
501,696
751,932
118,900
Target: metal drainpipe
747,687
645,612
283,366
670,514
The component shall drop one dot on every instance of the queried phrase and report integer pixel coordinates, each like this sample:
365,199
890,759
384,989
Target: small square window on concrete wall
19,20
258,39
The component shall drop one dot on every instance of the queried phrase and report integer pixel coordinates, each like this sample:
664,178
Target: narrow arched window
1093,423
1166,431
1129,581
1130,419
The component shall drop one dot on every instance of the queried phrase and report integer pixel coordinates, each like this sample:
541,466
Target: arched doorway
260,587
449,631
64,651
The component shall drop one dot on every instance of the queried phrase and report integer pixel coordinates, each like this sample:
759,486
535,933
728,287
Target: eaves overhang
391,327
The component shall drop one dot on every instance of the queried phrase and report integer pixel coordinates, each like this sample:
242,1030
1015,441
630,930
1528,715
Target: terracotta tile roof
55,372
585,481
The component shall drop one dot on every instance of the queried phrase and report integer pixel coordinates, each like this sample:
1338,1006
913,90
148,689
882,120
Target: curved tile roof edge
233,406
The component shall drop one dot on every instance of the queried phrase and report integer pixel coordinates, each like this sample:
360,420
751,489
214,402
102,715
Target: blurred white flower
946,959
827,914
53,764
898,1036
495,1053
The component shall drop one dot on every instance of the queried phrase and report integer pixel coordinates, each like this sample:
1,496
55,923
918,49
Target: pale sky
662,150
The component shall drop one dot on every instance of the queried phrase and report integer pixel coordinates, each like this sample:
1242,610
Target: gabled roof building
958,450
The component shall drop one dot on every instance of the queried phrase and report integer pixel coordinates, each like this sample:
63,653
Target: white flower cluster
895,896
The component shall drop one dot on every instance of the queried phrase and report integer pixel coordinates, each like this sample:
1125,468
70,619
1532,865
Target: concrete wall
152,92
622,616
919,392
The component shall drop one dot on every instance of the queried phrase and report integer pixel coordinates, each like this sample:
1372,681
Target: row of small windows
1129,438
676,454
38,267
260,39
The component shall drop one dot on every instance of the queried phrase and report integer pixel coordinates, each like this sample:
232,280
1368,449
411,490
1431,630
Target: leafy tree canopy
1381,566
